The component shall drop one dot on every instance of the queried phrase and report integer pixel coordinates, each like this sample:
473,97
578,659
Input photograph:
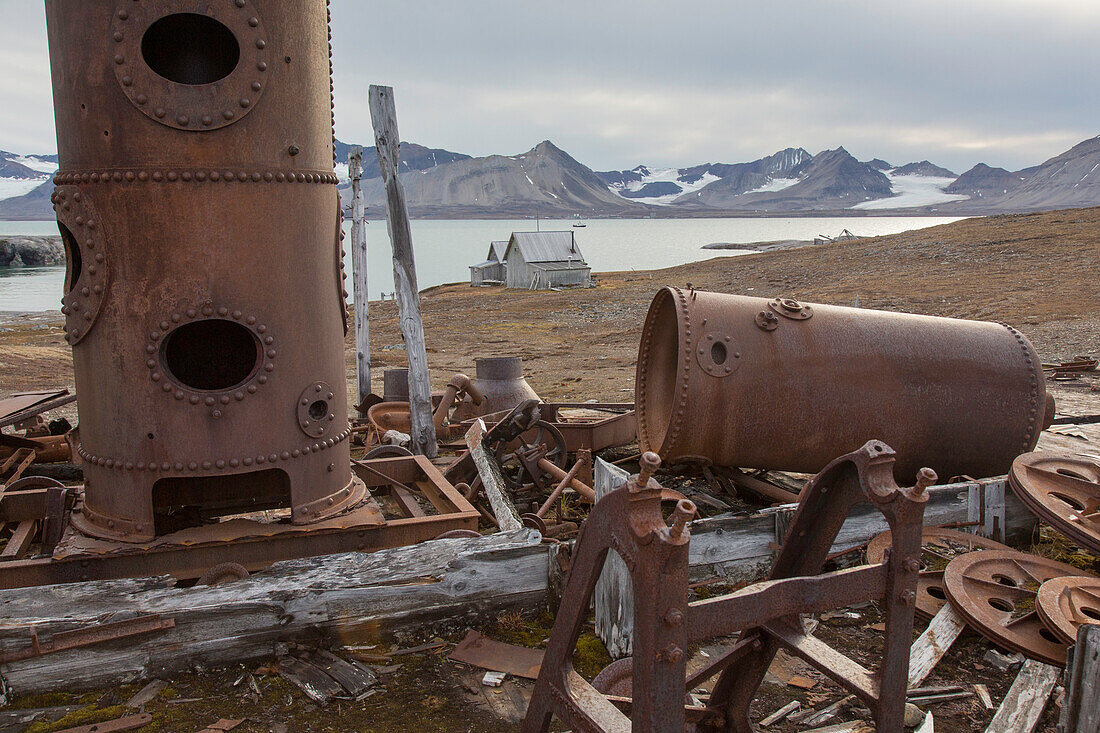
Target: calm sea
445,248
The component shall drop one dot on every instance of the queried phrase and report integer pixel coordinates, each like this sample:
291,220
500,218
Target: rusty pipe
565,481
748,382
586,492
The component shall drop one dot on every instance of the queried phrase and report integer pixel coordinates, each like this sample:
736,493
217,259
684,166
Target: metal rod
556,493
379,474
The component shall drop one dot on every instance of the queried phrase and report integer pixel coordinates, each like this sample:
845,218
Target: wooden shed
491,271
544,260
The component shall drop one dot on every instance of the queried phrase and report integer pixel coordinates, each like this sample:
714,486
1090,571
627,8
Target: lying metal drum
205,306
785,385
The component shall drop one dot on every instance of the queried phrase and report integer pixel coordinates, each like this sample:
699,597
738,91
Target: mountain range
548,181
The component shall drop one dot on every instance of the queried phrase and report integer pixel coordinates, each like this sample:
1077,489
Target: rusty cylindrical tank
500,380
205,308
790,386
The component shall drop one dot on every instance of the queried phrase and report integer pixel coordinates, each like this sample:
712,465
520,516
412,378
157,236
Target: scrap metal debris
481,651
630,520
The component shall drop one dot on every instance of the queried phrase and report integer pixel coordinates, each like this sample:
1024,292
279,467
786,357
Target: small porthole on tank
189,48
212,355
718,353
318,409
73,262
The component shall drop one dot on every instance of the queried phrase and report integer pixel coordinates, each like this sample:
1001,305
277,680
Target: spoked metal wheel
541,434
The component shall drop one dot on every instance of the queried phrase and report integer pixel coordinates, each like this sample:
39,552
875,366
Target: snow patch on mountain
12,187
911,191
775,184
40,163
668,176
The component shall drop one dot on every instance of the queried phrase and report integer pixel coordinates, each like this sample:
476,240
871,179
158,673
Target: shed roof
496,251
546,246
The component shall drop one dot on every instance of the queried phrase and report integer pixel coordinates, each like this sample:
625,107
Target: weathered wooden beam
492,480
359,272
929,648
613,596
383,114
1023,704
742,548
1081,709
345,598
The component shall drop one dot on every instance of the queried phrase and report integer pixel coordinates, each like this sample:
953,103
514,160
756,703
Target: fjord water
446,248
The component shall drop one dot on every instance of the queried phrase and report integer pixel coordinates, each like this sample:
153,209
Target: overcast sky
621,82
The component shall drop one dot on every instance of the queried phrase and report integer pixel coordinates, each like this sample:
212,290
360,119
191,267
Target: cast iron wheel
515,473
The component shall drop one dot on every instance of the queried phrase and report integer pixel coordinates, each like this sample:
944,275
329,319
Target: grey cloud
618,82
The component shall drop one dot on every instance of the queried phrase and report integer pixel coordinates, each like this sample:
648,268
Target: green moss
84,716
44,700
591,655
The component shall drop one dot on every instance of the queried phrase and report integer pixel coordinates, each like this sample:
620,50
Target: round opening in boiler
318,409
658,365
718,353
73,263
189,48
211,355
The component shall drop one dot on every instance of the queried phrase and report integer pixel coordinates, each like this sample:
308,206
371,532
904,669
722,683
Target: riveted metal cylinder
205,307
785,385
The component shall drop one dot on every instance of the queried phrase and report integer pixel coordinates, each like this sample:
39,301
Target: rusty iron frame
629,521
124,560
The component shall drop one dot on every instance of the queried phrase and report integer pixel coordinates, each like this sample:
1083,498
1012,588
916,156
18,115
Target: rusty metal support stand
766,614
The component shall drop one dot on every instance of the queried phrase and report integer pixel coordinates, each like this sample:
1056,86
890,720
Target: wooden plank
21,540
310,679
742,549
353,596
492,480
933,643
614,593
353,676
359,272
1081,709
1023,705
383,113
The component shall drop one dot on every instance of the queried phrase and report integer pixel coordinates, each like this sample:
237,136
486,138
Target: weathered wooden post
387,141
1081,709
359,271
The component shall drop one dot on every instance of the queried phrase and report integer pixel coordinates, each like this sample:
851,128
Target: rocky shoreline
31,251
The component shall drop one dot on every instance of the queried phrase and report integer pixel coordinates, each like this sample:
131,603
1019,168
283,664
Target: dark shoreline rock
31,251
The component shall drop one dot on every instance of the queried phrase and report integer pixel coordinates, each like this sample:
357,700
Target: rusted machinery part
387,451
208,340
629,520
962,397
616,678
47,449
395,415
459,534
1063,490
500,381
1064,604
996,591
32,482
534,521
541,436
939,546
226,572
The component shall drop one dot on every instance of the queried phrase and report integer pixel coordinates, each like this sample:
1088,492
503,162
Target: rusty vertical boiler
204,298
